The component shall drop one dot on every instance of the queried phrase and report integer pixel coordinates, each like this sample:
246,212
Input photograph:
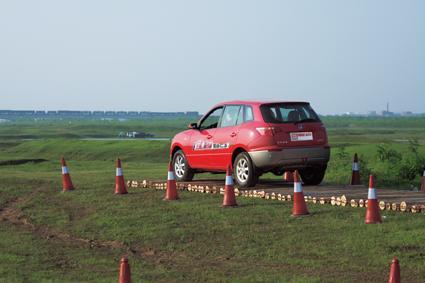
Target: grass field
50,236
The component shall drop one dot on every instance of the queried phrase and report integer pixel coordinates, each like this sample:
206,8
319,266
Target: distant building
387,113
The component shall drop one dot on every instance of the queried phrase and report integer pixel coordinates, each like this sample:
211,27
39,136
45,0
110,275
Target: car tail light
266,131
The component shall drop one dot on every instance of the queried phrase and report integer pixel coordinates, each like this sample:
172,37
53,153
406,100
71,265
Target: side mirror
193,126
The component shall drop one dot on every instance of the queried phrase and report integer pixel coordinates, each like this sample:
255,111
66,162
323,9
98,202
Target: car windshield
288,113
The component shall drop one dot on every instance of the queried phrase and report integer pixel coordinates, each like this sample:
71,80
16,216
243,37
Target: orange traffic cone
394,271
125,274
300,207
372,211
288,177
66,178
355,176
423,182
171,193
229,191
120,187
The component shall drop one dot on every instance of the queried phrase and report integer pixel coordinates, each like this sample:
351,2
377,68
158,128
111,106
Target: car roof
255,102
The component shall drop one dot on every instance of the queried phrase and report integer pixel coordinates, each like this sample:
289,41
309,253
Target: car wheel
182,170
244,171
313,176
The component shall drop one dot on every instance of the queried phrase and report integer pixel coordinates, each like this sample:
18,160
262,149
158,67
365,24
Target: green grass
76,129
194,239
28,258
157,152
341,129
131,150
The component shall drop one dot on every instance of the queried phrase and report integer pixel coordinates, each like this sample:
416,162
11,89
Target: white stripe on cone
65,170
297,187
371,194
170,175
356,166
119,171
229,180
424,174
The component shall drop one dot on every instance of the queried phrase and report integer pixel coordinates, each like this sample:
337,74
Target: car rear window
288,113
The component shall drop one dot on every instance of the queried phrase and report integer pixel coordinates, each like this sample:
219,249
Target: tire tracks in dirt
11,213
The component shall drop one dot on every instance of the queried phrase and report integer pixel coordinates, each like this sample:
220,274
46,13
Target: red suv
256,138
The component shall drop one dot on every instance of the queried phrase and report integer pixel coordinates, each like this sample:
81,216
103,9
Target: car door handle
209,136
233,134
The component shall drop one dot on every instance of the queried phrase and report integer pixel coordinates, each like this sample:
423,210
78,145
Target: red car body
269,141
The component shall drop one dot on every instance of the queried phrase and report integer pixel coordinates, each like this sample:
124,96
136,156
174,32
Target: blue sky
188,55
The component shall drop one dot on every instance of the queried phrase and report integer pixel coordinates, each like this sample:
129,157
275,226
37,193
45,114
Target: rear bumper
291,157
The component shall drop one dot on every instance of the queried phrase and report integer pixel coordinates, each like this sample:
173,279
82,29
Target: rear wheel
313,176
244,171
181,167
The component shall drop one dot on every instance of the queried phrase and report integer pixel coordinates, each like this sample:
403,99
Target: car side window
212,120
240,116
249,115
230,116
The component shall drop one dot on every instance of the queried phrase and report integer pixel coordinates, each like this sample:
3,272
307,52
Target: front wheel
313,176
181,167
244,171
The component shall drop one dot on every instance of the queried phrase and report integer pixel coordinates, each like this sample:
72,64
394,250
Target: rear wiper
305,120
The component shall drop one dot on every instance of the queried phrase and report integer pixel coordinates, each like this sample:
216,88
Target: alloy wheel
179,166
242,170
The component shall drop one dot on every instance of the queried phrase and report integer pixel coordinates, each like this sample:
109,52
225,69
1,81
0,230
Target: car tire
182,170
244,171
313,176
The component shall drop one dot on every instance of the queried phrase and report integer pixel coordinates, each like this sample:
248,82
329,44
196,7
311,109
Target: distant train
14,114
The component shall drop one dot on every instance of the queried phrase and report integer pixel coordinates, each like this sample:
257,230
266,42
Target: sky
352,55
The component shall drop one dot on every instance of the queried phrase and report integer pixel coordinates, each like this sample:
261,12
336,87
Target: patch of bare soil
12,214
21,161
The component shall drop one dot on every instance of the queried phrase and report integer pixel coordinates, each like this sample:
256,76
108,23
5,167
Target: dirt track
11,213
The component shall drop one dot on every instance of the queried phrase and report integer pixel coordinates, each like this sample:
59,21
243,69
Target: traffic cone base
171,192
373,214
300,207
229,199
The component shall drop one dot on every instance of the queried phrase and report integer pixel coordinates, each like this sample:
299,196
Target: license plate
301,136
